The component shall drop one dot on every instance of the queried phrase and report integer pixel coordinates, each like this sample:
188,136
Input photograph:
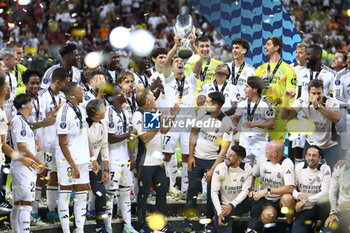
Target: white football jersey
312,182
21,132
230,185
304,76
240,80
68,122
274,175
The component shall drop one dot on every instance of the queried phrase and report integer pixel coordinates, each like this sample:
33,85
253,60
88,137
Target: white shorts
64,174
50,162
119,174
171,139
253,154
23,186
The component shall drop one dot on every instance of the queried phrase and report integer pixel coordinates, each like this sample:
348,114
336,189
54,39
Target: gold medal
163,96
180,100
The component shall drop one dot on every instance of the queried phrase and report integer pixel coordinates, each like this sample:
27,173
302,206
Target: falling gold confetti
156,221
205,221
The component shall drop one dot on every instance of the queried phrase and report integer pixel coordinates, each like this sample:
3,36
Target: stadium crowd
109,132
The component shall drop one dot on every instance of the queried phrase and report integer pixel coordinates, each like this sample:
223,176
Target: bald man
276,174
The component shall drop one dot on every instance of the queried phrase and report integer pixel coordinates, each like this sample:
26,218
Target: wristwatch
269,191
318,106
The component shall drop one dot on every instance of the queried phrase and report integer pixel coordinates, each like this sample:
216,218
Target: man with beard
112,68
70,60
208,148
53,99
323,111
179,88
341,90
312,181
140,71
314,70
230,188
278,77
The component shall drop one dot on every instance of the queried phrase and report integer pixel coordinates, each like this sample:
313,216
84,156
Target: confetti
205,221
156,221
308,222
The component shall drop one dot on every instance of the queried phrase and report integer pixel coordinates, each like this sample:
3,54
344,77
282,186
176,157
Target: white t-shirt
274,175
247,71
38,115
341,86
212,131
50,140
323,127
118,124
312,182
21,132
3,131
75,75
232,183
68,123
256,136
230,92
149,154
303,80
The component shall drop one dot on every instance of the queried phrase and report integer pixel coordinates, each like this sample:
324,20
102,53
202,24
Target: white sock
109,208
184,177
91,203
171,169
204,185
125,205
14,219
63,209
36,200
80,210
51,193
24,218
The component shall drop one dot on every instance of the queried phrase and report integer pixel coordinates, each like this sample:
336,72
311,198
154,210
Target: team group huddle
84,130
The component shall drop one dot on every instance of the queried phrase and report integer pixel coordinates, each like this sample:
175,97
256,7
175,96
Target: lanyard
204,73
180,86
10,81
36,107
251,114
235,79
53,97
132,103
269,75
70,72
77,113
144,82
123,118
23,118
217,87
312,74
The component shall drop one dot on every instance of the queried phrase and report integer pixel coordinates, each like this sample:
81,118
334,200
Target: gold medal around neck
180,100
163,96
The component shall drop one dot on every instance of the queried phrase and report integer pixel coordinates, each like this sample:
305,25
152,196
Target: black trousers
304,220
99,191
195,185
151,176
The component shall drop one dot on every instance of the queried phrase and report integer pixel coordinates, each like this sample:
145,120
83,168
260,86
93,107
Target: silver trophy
184,27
